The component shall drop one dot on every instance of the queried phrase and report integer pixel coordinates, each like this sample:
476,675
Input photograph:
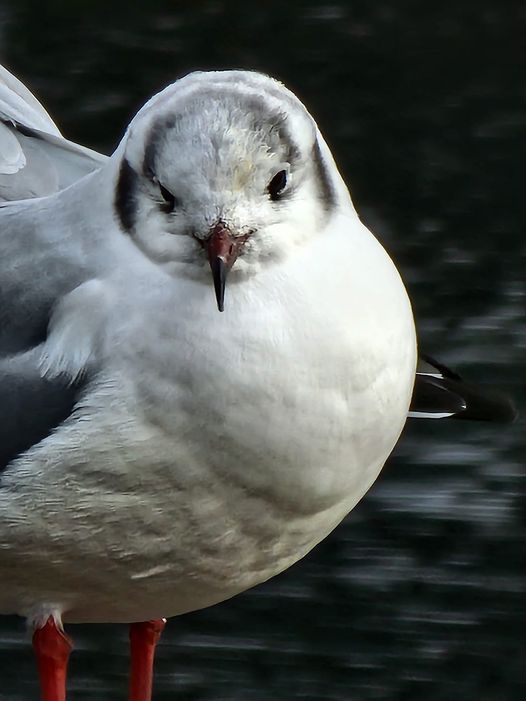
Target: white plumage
160,456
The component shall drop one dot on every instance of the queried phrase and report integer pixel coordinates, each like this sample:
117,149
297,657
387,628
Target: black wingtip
482,405
440,392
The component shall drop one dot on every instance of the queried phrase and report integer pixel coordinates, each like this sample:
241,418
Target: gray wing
35,274
31,406
35,159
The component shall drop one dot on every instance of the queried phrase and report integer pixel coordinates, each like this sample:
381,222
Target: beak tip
219,273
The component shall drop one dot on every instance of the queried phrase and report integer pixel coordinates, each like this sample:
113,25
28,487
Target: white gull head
222,168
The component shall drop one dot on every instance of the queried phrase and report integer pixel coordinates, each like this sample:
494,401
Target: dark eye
170,201
277,185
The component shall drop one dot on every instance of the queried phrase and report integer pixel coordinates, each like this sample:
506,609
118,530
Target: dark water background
420,594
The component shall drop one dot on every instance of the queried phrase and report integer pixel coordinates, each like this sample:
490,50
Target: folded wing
35,161
31,406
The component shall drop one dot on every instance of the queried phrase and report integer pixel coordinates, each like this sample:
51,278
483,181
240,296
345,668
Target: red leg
52,648
143,639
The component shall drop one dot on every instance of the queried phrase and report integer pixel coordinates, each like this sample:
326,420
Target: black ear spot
277,185
125,202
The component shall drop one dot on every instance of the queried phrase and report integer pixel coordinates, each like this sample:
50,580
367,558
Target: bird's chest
294,411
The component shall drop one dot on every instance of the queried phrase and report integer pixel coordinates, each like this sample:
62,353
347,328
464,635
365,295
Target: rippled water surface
420,594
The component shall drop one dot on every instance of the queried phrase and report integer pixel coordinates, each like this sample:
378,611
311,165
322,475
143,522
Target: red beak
222,248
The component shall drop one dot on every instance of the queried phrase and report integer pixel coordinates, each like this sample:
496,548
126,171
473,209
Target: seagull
205,360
